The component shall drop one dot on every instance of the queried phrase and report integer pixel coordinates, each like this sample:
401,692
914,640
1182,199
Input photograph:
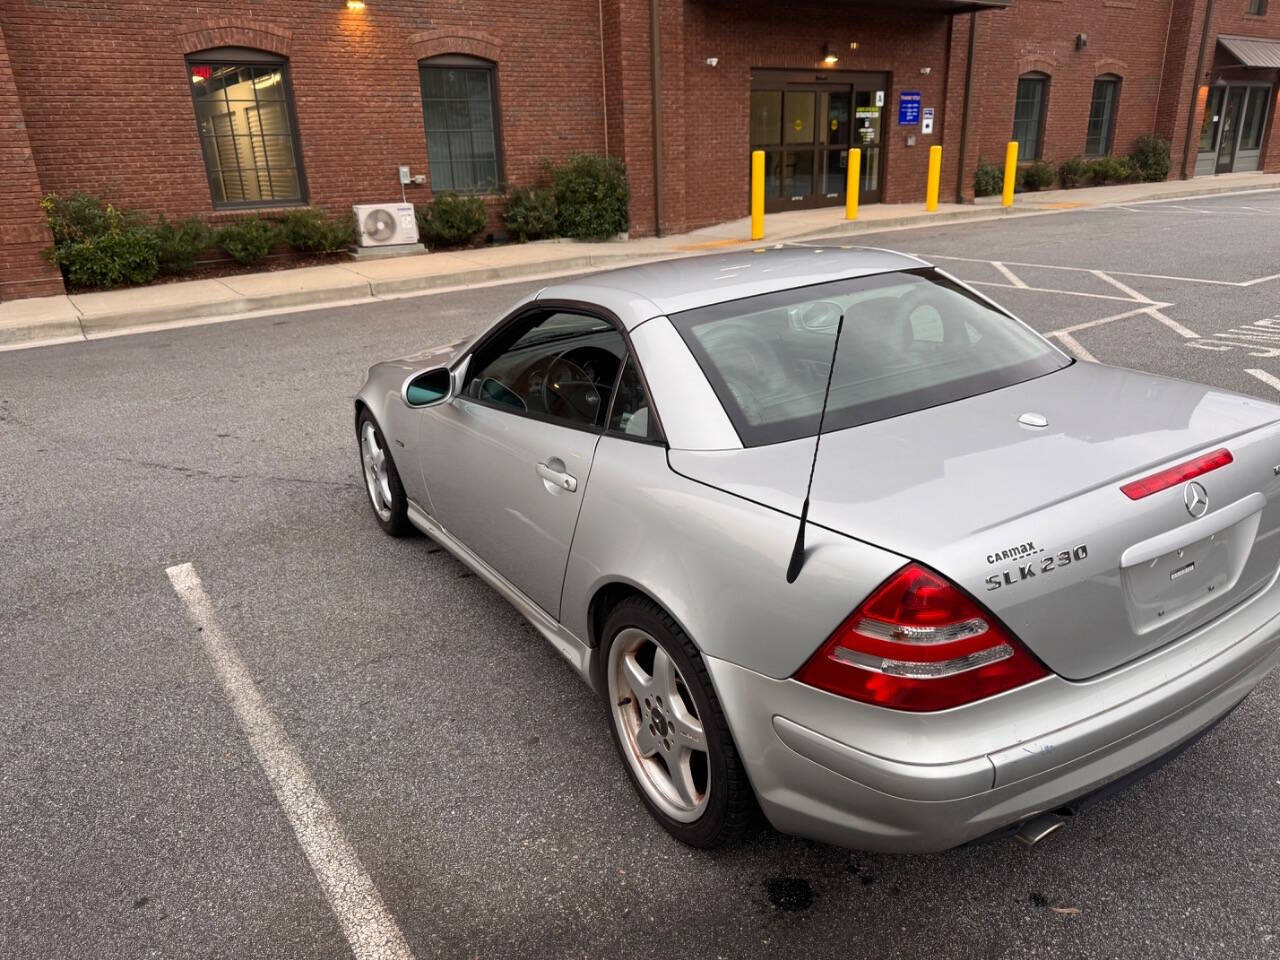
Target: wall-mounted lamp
829,55
355,4
712,61
1082,41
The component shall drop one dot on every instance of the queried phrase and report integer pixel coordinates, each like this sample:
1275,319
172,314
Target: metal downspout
1195,87
968,106
656,69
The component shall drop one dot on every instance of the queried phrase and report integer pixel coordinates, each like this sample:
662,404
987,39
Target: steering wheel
568,390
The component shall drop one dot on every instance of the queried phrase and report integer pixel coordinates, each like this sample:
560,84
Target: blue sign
908,108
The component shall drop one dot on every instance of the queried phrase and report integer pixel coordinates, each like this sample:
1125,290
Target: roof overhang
1253,52
935,6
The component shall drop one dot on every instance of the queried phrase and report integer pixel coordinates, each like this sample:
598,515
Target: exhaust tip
1039,827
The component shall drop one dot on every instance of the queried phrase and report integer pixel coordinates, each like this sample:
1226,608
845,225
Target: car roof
638,293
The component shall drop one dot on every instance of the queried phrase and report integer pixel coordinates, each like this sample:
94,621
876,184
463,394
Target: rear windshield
911,340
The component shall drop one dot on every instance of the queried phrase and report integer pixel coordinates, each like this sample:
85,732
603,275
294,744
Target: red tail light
920,643
1176,474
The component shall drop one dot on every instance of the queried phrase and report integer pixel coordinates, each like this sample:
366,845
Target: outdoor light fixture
355,4
1082,41
829,55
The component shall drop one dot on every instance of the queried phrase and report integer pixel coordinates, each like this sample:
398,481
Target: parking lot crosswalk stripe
368,925
1265,377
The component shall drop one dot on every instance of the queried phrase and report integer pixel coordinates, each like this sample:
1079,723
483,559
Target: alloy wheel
374,457
662,735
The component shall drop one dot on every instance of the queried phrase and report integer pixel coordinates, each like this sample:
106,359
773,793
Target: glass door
1230,129
868,137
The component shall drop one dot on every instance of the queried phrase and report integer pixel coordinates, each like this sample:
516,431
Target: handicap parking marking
368,926
1265,377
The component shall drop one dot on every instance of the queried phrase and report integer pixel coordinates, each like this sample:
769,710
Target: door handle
560,478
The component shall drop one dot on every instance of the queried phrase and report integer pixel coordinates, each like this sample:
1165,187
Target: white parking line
1123,288
369,927
1102,320
1265,377
1064,293
1172,324
1072,344
1009,274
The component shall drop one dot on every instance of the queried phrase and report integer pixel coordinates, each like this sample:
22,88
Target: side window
552,366
632,414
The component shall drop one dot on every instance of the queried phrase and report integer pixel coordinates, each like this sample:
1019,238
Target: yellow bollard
935,178
852,185
757,194
1010,172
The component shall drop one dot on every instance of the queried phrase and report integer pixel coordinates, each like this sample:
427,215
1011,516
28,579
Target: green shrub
988,180
1074,173
530,213
96,244
1038,176
451,221
591,197
81,217
1110,169
309,230
180,244
116,258
1150,158
249,240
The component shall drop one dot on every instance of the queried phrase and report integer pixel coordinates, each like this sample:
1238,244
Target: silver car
837,537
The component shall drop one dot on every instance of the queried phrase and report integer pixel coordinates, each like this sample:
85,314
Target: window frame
250,57
445,61
1043,79
1108,137
545,308
1257,8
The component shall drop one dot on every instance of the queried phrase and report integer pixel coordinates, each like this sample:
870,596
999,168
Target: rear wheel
670,730
382,482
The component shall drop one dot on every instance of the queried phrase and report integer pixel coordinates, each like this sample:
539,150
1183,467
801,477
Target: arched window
1102,115
460,112
244,112
1028,114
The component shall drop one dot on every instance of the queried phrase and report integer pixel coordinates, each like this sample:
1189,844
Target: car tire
381,479
708,802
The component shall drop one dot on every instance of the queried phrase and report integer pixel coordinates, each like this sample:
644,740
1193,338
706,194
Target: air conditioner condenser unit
385,224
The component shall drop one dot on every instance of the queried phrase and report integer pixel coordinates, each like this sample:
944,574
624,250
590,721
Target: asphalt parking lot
453,755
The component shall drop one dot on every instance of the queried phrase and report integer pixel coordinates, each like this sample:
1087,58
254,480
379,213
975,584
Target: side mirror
427,387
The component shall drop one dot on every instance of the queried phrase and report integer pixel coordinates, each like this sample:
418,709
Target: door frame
782,80
1248,88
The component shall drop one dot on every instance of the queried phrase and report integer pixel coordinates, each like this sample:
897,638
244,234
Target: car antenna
797,552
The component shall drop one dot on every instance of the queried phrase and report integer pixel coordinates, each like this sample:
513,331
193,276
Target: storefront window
1255,116
1028,114
460,111
1102,116
244,113
1212,118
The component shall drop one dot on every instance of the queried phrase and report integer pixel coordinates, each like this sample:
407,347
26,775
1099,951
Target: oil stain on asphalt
789,894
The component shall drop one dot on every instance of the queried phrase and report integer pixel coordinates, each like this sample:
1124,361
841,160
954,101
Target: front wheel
382,482
670,730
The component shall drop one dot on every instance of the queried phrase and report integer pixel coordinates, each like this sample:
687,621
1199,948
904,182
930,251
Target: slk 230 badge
1037,566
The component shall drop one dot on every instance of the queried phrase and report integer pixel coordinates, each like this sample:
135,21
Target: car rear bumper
826,768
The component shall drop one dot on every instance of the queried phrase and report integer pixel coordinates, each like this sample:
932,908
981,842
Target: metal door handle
561,479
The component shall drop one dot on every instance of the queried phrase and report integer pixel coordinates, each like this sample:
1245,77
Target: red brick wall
109,111
23,231
99,92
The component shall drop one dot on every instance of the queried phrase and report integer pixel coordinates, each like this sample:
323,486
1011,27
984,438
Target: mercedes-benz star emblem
1196,498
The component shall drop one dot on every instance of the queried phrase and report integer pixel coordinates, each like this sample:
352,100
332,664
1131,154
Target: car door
506,460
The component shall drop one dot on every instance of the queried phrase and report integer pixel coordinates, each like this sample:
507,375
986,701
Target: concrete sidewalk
85,316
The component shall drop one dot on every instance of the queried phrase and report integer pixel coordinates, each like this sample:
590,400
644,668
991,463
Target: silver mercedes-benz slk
836,535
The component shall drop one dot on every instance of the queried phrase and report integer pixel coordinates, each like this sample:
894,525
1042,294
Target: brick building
214,108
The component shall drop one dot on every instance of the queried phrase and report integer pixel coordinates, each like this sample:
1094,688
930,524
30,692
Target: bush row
1149,162
584,198
100,245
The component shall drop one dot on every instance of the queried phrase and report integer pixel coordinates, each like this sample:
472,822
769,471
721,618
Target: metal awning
1253,51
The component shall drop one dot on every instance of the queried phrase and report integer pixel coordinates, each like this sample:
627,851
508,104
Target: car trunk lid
1032,521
